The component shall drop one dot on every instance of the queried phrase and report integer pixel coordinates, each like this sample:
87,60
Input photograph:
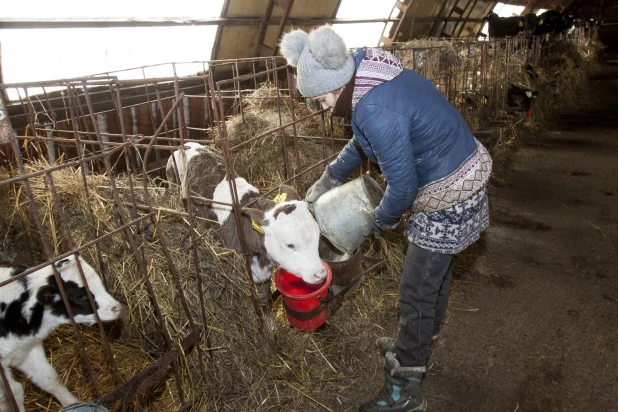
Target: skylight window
30,55
362,34
502,10
44,9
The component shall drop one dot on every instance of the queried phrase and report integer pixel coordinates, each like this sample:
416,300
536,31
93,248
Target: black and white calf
290,233
31,308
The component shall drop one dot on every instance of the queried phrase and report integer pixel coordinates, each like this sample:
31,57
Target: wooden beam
284,19
263,27
219,35
21,23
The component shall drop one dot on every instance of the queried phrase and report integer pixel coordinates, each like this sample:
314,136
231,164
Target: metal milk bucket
345,213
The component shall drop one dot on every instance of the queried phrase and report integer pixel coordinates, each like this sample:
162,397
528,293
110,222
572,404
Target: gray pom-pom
293,44
328,47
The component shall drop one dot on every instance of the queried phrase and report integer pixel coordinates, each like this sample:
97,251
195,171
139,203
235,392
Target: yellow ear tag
540,21
521,23
256,227
280,197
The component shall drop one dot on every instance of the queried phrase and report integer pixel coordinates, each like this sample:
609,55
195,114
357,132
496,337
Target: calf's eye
291,246
81,298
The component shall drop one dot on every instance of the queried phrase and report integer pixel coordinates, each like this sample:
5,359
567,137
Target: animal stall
84,173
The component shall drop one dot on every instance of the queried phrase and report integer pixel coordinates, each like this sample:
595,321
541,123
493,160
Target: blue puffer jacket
416,136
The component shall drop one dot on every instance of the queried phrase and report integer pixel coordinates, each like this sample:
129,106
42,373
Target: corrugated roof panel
301,8
240,41
244,8
314,8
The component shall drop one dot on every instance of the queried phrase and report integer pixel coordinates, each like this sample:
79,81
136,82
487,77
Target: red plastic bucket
302,301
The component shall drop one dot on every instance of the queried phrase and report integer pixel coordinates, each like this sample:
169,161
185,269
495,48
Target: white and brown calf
291,234
31,308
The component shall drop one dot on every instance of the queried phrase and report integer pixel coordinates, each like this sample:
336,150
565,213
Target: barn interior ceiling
448,18
250,28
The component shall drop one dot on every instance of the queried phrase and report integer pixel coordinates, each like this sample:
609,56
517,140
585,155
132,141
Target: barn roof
250,28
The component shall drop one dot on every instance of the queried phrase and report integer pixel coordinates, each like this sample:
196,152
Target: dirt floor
533,320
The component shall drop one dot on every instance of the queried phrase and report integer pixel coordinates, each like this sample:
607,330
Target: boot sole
421,407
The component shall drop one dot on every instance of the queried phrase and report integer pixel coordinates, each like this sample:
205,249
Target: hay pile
62,349
139,342
262,162
565,68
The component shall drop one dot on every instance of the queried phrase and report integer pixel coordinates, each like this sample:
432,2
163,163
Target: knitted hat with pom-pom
323,63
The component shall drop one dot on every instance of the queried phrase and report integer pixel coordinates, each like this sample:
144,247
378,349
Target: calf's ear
65,262
257,215
289,191
47,295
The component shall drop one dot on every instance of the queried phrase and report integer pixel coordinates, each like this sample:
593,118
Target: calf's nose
116,309
321,274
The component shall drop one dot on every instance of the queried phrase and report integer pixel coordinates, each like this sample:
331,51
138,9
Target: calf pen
83,173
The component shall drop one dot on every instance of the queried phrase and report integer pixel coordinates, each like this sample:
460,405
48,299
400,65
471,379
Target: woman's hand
325,183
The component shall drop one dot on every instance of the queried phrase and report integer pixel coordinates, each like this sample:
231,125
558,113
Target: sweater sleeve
387,133
348,160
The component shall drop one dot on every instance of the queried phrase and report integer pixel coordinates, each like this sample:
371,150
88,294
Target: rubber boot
387,344
401,391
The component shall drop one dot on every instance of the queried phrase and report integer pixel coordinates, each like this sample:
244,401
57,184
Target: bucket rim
312,295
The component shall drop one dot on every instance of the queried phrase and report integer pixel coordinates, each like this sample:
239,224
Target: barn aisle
533,318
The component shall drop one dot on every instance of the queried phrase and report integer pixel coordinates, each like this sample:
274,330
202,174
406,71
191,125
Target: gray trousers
423,297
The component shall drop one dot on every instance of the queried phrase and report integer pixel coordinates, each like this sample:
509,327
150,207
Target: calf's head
48,295
291,238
